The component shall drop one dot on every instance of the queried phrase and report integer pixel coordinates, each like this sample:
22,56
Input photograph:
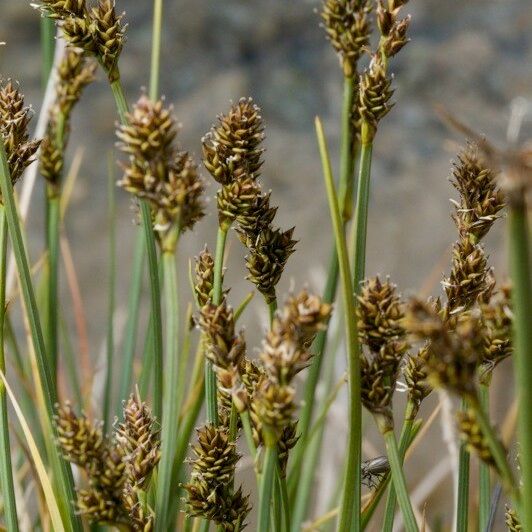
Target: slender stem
52,306
484,498
346,183
349,518
47,46
283,492
361,214
210,377
121,105
408,421
107,401
6,470
156,49
266,488
272,309
64,473
170,392
521,272
133,306
399,482
462,494
248,433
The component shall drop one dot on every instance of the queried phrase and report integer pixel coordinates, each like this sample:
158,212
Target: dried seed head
95,505
393,30
213,471
225,348
269,253
109,35
51,155
14,121
232,148
285,348
286,443
380,314
512,521
416,376
74,73
453,354
238,199
471,434
376,389
348,28
481,200
497,320
78,33
141,515
273,406
469,278
60,9
81,442
180,198
204,277
375,93
138,438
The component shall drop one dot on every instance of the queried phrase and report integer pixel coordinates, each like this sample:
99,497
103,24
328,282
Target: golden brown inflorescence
14,121
392,28
348,28
380,316
232,153
118,468
157,170
512,521
98,30
209,492
74,73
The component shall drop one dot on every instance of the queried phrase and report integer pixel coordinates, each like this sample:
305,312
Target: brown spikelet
108,35
375,93
232,147
237,198
393,30
416,374
268,255
78,32
471,434
14,120
204,277
512,521
95,505
59,9
348,28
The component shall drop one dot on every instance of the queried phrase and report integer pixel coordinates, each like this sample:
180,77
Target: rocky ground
472,56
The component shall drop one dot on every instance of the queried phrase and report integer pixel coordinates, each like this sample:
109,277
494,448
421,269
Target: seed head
415,373
471,434
237,199
14,121
267,259
95,505
393,30
348,28
512,521
375,93
204,277
60,9
232,147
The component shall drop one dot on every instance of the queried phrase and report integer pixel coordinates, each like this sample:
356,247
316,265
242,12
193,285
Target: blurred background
472,56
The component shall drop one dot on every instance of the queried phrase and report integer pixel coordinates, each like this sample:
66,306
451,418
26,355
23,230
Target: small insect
373,470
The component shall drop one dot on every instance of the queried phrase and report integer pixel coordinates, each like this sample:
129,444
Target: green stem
404,439
48,47
361,214
62,469
156,49
248,433
133,306
107,401
266,488
122,108
398,480
211,400
484,502
462,500
283,493
272,309
6,470
521,268
349,518
170,392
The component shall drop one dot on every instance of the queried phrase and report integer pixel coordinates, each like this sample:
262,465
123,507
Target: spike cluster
157,170
471,434
512,521
118,469
380,317
74,73
14,120
98,30
209,492
232,153
393,29
416,378
348,28
285,352
453,349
